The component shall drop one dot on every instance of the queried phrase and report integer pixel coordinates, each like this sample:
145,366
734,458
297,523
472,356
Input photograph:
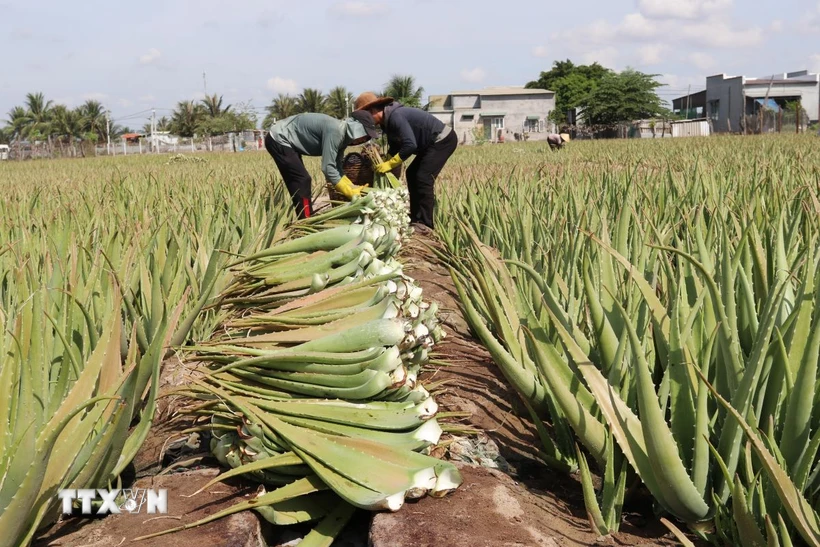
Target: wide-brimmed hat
368,100
366,119
565,137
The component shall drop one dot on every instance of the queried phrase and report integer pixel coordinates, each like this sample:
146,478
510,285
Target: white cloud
678,85
652,54
283,85
540,51
147,98
810,22
636,28
125,103
473,75
151,57
701,60
776,26
94,96
607,57
359,9
719,34
814,62
681,9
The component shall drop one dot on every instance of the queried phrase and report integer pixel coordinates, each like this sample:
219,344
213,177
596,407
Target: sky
135,56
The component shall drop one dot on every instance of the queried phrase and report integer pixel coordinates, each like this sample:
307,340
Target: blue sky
133,56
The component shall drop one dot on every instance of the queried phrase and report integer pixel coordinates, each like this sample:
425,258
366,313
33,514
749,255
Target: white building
496,113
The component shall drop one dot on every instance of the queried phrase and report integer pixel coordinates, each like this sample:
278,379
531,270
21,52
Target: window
533,126
467,117
497,122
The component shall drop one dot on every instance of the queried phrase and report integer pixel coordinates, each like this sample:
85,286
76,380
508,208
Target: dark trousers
421,178
297,180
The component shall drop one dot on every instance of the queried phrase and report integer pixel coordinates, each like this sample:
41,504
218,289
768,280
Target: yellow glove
348,189
389,165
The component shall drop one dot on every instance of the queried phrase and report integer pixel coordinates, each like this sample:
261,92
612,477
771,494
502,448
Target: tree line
338,102
42,120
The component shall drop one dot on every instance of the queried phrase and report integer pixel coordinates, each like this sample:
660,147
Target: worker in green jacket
312,134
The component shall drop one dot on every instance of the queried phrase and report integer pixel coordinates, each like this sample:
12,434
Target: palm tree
213,105
404,90
312,100
93,119
66,125
163,124
38,112
17,122
186,117
338,102
283,106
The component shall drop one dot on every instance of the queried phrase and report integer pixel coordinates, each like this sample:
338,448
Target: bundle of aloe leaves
311,385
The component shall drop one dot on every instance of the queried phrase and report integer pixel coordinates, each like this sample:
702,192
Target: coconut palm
186,117
338,102
16,122
38,116
162,124
312,100
404,90
213,105
280,108
66,125
93,119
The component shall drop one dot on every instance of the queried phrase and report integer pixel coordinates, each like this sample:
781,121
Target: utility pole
108,131
153,129
205,83
688,98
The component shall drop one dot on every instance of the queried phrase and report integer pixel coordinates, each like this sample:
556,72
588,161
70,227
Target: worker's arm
400,130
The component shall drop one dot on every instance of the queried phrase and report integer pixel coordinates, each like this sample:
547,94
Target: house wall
729,94
516,109
466,101
809,95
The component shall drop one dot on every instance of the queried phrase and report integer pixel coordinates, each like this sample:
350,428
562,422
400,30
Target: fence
644,129
231,142
768,120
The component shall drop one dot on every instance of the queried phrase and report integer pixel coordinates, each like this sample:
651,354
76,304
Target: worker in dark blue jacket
411,131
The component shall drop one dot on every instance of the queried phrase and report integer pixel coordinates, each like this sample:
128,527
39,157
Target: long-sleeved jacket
312,134
409,130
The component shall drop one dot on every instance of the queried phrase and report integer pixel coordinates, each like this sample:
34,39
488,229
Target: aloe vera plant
671,330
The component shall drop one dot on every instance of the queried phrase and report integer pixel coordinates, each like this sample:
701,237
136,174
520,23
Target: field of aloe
656,304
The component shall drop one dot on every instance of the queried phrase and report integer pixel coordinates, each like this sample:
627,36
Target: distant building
496,113
732,102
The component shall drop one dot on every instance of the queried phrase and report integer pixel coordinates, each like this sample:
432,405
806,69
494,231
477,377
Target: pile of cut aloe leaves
311,385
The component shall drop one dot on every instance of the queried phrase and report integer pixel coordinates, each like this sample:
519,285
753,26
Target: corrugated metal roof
492,114
510,90
533,117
